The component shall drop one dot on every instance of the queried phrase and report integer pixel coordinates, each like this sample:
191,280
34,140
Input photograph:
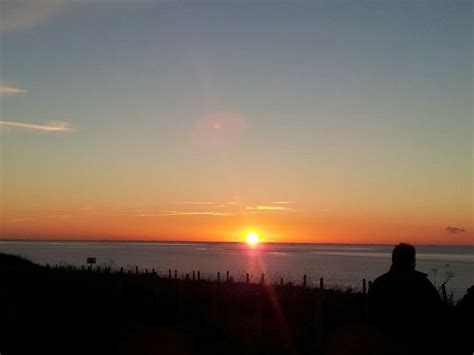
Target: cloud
20,220
87,208
59,216
16,15
284,202
52,126
180,213
8,90
454,230
269,208
194,203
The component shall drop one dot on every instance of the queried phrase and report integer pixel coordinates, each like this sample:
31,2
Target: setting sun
252,238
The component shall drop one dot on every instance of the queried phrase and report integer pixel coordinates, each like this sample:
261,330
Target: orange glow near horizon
231,222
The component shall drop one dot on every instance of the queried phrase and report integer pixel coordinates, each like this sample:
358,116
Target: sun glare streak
270,292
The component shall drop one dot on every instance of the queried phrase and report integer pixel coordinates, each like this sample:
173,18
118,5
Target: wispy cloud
52,126
194,203
59,216
16,15
8,90
21,220
87,208
269,208
454,230
181,213
283,202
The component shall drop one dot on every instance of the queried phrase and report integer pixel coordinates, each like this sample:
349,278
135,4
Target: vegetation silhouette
63,309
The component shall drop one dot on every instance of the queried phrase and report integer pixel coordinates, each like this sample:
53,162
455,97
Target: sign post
91,260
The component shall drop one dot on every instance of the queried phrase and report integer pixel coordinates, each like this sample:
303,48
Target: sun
252,238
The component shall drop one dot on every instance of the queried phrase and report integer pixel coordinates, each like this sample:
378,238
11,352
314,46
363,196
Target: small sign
91,260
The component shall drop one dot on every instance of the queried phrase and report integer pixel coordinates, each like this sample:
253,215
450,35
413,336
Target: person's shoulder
420,275
393,276
424,282
382,278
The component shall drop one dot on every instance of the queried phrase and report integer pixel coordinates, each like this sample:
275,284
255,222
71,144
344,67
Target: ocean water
339,265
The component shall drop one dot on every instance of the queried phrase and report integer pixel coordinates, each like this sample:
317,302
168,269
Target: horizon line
208,242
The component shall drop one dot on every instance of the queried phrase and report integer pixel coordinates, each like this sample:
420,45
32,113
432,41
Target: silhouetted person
464,323
406,308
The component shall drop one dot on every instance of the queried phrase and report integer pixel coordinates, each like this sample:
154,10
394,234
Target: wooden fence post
199,275
281,281
262,280
318,321
227,276
214,306
304,280
364,291
259,311
169,273
175,274
218,277
194,275
247,278
321,283
136,269
445,296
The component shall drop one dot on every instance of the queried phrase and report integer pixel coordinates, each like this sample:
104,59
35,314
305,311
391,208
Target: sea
340,265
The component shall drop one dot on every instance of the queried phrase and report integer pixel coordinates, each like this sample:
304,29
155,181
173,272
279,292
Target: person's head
403,257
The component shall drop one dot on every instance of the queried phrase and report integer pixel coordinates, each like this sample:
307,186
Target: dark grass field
67,311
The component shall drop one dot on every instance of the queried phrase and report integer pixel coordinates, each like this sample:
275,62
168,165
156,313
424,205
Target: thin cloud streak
179,213
20,220
283,202
52,126
194,203
269,208
59,216
26,14
8,90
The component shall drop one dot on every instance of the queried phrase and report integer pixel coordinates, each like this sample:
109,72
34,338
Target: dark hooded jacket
407,309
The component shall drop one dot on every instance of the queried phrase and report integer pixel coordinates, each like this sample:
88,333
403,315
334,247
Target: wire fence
311,281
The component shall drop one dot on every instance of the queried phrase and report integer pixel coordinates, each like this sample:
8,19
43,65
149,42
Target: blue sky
359,106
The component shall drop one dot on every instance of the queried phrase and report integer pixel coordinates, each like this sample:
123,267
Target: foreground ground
68,311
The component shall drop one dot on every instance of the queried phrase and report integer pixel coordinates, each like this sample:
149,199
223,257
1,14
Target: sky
323,122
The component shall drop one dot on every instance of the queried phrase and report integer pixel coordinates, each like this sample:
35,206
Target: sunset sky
339,122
